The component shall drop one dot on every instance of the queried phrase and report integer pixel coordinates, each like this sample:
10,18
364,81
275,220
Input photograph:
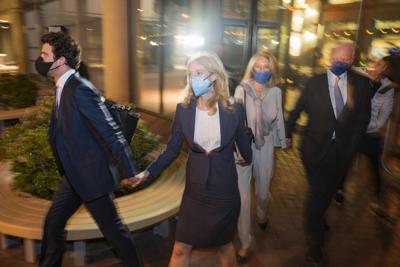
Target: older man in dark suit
84,139
338,107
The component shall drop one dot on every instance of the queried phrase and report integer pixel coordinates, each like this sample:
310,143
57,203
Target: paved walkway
357,238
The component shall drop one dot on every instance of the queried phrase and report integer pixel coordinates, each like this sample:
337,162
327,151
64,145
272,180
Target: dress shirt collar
63,79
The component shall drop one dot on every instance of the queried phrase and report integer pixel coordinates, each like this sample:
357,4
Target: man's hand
133,182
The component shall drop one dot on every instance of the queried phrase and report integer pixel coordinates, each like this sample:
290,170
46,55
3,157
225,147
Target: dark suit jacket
349,127
85,140
219,165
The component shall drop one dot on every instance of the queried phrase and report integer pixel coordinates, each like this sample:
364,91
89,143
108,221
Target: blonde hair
273,65
211,62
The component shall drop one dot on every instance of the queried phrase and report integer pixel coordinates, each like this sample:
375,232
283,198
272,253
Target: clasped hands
136,180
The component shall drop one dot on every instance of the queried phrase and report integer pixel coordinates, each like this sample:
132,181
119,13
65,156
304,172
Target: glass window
236,9
234,42
268,40
268,10
381,32
179,43
148,49
83,21
340,2
6,51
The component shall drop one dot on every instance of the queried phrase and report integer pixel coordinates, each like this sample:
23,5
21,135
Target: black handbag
248,130
125,117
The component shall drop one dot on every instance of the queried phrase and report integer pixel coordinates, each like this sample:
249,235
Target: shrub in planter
27,146
17,91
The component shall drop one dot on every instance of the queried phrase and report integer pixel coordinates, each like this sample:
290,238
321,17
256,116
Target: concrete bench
22,215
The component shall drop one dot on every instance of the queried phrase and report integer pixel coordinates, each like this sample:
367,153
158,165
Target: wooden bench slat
143,209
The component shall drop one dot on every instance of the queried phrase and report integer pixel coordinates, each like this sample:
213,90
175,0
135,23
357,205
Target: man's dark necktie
338,98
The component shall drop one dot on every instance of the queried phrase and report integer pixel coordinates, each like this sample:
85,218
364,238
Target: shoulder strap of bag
244,86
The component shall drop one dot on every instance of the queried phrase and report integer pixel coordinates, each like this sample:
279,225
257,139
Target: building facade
136,50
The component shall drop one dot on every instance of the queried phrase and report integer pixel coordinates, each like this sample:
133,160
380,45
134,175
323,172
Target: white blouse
207,130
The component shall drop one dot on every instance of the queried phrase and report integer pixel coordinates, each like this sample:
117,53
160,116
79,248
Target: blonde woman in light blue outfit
263,103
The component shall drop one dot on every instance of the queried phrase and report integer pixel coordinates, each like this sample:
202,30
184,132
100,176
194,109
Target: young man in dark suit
85,140
338,107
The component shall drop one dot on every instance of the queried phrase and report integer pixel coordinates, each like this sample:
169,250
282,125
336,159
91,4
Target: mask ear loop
57,66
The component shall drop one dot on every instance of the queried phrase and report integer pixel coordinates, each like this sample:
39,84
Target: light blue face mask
200,85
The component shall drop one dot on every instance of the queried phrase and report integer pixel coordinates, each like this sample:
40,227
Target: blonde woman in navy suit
210,125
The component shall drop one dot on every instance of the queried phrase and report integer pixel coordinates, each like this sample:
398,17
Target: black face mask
43,68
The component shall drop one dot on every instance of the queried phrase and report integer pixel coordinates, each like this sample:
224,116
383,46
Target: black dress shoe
339,198
241,259
314,254
263,225
326,227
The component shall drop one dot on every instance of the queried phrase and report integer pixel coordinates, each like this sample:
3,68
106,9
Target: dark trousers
323,179
103,210
370,147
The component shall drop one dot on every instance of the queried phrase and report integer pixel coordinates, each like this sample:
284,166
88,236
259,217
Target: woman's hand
133,182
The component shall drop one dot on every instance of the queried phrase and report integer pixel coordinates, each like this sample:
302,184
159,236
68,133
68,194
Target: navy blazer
349,128
85,140
219,164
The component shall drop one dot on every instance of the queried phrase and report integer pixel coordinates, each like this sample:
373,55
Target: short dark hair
392,70
58,28
63,46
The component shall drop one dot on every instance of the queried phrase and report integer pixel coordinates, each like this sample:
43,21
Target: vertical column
115,50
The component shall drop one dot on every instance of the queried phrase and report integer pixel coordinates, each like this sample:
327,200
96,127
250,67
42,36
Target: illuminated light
311,12
140,10
185,16
369,32
297,21
190,40
265,47
3,55
327,35
3,21
5,27
143,37
383,31
89,29
362,64
287,1
300,4
346,33
153,43
295,44
309,36
289,81
335,34
274,42
395,31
